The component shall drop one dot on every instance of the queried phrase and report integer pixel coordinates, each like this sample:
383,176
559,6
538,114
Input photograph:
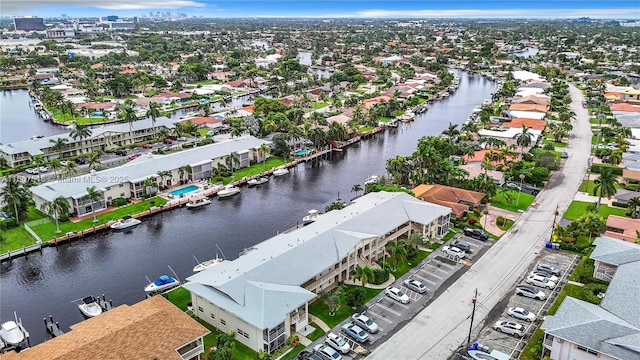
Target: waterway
116,263
18,121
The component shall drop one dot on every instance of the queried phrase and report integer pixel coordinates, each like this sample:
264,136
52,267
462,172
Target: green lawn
507,226
179,297
318,105
203,131
405,266
92,120
364,129
398,113
450,234
205,82
555,143
292,354
320,309
588,185
316,334
518,201
272,162
579,208
18,237
384,119
48,231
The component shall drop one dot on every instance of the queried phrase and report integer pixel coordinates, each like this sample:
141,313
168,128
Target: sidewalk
384,285
488,221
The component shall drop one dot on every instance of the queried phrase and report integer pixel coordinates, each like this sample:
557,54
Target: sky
618,9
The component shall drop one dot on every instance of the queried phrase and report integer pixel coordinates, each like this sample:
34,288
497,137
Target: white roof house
527,114
526,76
509,133
264,285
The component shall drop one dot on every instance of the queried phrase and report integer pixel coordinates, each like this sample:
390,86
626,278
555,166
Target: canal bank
116,263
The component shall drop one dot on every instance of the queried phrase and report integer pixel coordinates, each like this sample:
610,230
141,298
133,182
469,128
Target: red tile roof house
458,200
622,228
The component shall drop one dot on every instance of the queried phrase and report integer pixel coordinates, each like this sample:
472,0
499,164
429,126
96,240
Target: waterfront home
151,329
622,228
611,330
264,301
460,201
127,181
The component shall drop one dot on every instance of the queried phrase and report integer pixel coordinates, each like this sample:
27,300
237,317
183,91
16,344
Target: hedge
590,292
595,168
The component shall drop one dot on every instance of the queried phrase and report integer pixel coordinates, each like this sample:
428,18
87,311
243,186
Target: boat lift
175,276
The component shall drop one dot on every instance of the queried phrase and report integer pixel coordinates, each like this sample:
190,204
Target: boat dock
104,304
52,327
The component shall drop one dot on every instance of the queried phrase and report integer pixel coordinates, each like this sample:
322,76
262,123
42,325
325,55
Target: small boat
90,306
408,116
258,181
207,264
126,222
372,179
198,203
164,282
281,170
311,216
445,94
228,190
12,333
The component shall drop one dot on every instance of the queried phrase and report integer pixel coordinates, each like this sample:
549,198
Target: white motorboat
408,116
372,179
207,264
445,94
228,190
258,181
164,282
90,306
12,333
125,222
281,170
198,203
311,216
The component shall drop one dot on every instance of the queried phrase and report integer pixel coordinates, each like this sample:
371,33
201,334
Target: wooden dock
52,327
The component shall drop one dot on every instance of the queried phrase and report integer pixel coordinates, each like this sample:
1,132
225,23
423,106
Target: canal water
116,263
18,121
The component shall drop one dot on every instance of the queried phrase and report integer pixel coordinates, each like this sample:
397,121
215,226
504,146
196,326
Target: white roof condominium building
264,294
126,181
102,138
611,330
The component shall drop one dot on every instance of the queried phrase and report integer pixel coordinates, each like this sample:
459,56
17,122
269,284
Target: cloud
24,7
502,13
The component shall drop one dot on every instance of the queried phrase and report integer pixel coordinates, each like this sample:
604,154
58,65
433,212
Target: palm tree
154,112
364,274
55,165
164,174
71,168
80,132
15,195
332,300
633,206
94,195
129,115
94,159
604,185
264,151
182,170
58,145
452,132
524,138
398,253
356,188
232,160
38,161
149,185
57,207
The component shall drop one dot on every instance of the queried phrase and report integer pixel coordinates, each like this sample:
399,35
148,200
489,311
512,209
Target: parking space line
397,303
423,278
431,273
410,293
390,310
377,316
447,266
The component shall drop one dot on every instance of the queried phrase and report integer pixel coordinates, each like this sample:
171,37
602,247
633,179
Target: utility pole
474,300
553,226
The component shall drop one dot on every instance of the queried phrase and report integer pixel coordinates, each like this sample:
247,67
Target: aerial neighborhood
399,188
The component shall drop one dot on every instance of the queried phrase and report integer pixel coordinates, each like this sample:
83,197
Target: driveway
440,329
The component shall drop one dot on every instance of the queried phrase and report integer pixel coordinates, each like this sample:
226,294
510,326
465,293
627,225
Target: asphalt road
443,326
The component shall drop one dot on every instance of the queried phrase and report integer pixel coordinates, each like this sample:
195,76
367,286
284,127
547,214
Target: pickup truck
476,234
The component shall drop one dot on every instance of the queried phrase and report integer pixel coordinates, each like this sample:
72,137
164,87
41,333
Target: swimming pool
301,152
184,190
96,114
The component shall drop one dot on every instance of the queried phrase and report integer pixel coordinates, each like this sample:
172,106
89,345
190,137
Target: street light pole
522,176
474,300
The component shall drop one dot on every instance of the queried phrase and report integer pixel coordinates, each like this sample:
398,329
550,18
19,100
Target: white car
454,251
522,314
540,281
509,327
364,322
338,343
64,163
530,292
396,294
43,169
545,274
327,352
415,285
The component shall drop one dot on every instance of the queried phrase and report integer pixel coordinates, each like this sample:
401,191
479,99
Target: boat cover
164,279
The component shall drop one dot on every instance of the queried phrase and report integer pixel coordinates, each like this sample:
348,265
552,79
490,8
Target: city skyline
620,9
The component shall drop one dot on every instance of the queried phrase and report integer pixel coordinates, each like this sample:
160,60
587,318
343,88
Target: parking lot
433,272
509,344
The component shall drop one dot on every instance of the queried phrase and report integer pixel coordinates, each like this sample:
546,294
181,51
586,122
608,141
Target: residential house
622,228
460,201
535,124
151,329
540,108
127,181
265,302
532,100
630,95
611,330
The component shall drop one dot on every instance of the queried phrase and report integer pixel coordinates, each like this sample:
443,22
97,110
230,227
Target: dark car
81,161
462,245
121,152
476,234
548,268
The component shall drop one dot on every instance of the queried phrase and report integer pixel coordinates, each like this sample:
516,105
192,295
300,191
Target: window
240,332
223,322
109,198
200,309
212,316
592,352
121,194
121,185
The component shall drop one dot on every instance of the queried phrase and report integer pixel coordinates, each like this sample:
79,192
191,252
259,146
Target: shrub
355,296
500,220
412,252
590,292
472,220
380,276
8,224
595,168
119,201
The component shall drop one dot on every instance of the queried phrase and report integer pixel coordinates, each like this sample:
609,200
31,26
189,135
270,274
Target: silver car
415,285
327,352
522,314
509,327
364,322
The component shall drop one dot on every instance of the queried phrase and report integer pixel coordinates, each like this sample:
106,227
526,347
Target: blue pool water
184,190
96,114
301,152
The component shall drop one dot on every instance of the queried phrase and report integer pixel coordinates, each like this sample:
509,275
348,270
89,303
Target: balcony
548,342
191,350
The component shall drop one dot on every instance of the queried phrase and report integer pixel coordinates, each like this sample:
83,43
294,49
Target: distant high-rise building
29,23
112,18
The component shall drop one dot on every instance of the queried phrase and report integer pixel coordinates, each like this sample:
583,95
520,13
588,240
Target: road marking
390,310
406,307
377,316
424,279
434,275
447,266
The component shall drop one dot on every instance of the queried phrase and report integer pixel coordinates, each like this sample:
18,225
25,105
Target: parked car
167,141
530,292
522,314
454,251
64,163
147,146
32,171
548,275
121,152
509,327
476,234
396,294
540,281
564,155
512,185
338,343
355,332
182,138
415,285
43,169
462,245
548,268
364,322
327,352
308,355
133,157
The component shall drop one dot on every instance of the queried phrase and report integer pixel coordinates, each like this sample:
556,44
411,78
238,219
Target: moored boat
311,216
258,181
198,203
228,191
372,179
164,282
207,264
13,334
126,222
90,306
281,170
